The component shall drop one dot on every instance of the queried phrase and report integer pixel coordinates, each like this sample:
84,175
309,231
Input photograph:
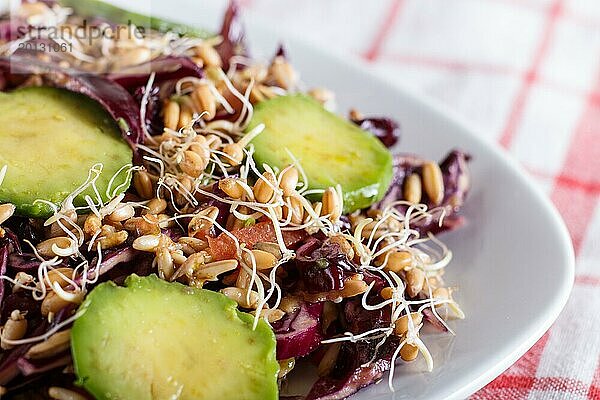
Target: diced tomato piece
260,232
223,247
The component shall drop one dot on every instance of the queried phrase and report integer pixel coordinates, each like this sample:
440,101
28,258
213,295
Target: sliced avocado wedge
118,15
49,140
158,340
331,150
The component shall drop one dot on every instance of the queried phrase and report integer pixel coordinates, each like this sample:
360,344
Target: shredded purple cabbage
385,129
9,369
323,266
299,333
457,181
30,367
22,301
115,100
233,34
26,232
15,366
456,187
3,265
165,69
224,208
152,118
25,262
358,364
433,320
350,377
118,265
9,29
112,258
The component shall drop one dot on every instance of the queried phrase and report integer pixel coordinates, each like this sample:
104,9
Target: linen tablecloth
527,74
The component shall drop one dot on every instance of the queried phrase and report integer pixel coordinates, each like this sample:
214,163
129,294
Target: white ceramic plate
513,262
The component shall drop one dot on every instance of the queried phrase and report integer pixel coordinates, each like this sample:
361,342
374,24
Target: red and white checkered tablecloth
527,73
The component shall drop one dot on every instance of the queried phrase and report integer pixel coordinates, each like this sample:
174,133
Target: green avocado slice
49,140
158,340
330,149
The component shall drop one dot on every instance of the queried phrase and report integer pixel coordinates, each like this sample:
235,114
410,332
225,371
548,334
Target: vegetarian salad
181,221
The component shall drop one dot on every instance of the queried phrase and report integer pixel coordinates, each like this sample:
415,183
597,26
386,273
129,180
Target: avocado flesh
118,15
330,149
158,340
49,140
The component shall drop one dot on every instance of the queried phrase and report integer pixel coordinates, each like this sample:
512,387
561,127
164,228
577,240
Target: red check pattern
526,72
